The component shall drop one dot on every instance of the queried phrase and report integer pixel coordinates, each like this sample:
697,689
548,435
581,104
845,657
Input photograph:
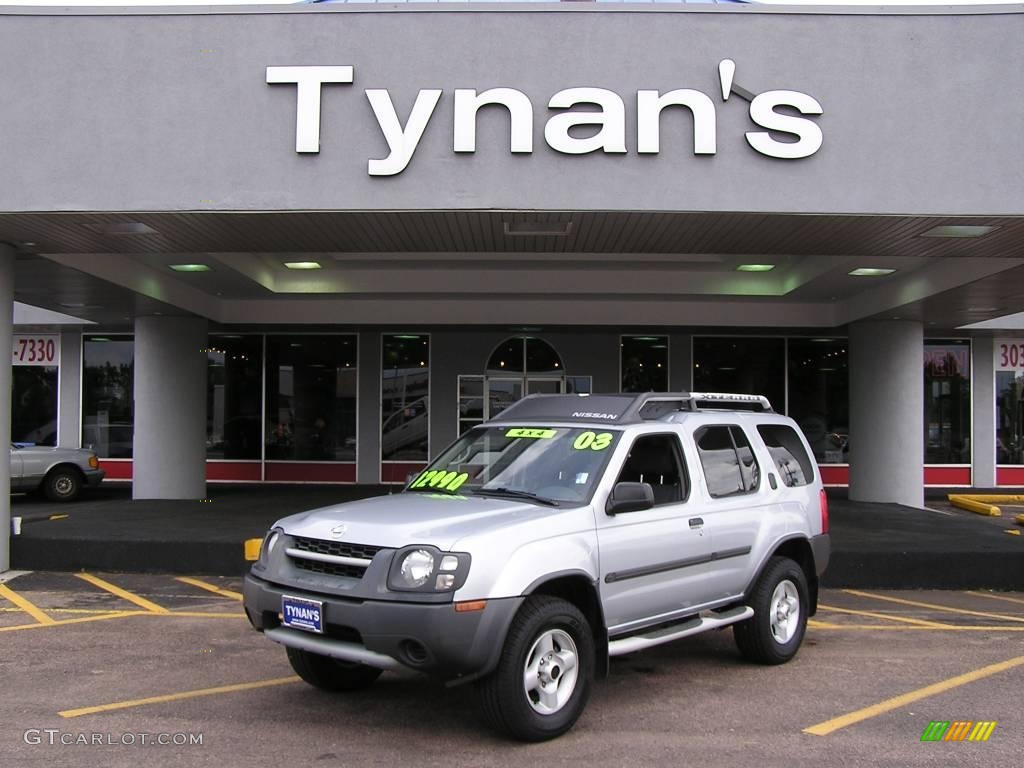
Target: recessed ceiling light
755,267
821,341
537,228
29,245
871,272
130,228
645,338
190,267
959,230
982,309
406,336
302,264
78,305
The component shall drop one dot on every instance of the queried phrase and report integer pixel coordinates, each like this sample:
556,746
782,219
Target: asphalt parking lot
107,658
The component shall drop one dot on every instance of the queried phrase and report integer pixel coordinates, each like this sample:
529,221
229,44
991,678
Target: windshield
554,465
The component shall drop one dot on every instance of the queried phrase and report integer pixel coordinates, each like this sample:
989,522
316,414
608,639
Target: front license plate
299,613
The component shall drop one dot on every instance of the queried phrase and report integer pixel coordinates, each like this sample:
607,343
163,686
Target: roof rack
626,408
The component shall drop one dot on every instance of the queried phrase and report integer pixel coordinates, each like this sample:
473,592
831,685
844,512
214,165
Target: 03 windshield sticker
534,433
590,441
440,479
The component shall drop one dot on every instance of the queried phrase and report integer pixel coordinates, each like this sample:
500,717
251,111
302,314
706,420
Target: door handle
696,522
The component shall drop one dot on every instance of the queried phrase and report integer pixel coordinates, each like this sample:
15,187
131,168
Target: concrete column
983,412
69,389
170,408
6,330
368,410
887,412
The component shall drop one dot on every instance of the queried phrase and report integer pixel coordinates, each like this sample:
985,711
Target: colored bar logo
958,730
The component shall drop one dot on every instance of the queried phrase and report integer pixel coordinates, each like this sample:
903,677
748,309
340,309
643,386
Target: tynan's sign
609,118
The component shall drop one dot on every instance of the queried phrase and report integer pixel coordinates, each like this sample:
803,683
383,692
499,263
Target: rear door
16,468
655,562
735,504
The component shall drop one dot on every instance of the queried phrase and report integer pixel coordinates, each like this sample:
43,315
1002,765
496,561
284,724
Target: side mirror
630,497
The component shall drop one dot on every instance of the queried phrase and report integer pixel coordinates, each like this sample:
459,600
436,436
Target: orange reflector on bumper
470,605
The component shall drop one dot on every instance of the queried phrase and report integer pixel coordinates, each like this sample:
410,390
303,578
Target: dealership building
314,244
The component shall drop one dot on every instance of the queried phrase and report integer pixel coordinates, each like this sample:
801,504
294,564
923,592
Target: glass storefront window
34,405
107,395
643,362
234,369
405,398
749,366
311,398
819,396
947,402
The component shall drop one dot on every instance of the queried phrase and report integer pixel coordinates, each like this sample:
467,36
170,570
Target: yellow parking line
911,628
81,620
209,587
933,606
122,593
1007,598
71,610
177,696
200,615
818,624
902,619
27,606
827,727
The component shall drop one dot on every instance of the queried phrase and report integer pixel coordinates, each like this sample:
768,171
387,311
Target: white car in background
61,473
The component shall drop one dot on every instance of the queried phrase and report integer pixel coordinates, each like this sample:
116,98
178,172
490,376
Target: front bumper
427,637
94,477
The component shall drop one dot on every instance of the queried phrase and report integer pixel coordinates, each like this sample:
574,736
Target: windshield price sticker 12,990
1009,354
36,349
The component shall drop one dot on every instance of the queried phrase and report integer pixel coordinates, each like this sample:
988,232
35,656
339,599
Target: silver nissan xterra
567,530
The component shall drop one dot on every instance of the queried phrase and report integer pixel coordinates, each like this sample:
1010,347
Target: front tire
543,679
331,674
774,633
62,484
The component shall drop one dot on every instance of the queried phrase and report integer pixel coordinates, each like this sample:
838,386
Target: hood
413,518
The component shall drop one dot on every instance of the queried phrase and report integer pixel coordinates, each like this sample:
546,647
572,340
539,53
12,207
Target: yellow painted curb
1012,532
252,549
1019,519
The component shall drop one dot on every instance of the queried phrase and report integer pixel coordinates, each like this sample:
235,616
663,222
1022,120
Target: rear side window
788,452
727,460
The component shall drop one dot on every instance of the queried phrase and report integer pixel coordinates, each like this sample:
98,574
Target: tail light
823,502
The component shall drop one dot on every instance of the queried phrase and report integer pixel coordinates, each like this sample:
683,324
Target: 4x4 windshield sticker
541,434
438,478
592,441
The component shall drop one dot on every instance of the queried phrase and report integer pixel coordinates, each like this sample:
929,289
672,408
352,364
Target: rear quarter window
787,451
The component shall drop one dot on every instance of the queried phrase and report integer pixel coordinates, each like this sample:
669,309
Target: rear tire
774,633
331,674
543,679
62,484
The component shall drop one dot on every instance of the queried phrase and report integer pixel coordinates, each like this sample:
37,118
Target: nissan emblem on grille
338,531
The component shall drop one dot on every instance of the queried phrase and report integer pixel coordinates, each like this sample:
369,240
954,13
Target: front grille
331,569
339,548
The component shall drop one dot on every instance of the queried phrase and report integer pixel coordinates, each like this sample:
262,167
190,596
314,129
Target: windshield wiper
515,493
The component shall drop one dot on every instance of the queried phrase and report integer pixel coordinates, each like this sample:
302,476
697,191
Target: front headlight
269,542
427,569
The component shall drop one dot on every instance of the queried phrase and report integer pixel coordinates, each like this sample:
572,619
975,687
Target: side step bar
694,626
336,649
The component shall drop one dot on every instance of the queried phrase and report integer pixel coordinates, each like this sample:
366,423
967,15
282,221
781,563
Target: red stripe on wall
835,474
233,470
947,476
117,469
1010,476
298,472
397,472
